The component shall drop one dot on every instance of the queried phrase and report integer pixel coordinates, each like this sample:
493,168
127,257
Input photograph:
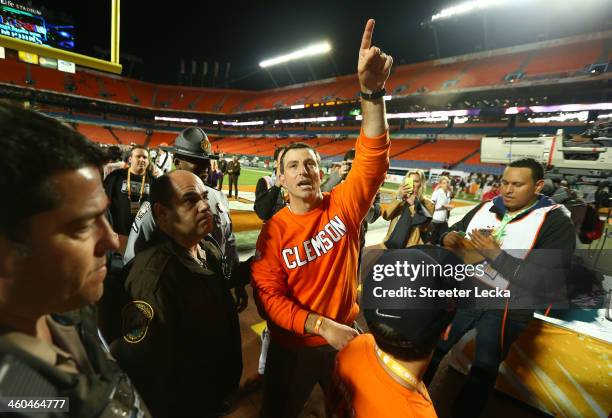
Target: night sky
160,34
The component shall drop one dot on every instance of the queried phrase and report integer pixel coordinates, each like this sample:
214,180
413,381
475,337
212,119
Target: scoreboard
36,32
29,24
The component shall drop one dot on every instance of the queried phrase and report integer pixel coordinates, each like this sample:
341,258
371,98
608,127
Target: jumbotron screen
30,24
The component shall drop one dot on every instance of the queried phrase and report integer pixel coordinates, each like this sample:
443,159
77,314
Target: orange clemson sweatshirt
308,263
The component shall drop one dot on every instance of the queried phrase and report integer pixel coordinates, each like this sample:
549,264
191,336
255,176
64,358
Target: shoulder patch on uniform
135,319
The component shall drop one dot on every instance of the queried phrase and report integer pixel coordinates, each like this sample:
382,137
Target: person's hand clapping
485,244
451,240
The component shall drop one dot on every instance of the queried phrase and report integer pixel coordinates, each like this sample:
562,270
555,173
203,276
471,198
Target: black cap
418,319
193,142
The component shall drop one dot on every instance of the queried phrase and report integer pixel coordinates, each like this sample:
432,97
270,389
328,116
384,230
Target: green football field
249,176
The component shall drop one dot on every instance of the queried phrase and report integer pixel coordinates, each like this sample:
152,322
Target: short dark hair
35,148
349,155
277,151
393,343
537,171
135,147
298,145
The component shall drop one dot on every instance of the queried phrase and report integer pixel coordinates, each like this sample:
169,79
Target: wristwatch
373,96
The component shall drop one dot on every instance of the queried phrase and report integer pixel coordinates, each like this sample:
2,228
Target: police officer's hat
192,142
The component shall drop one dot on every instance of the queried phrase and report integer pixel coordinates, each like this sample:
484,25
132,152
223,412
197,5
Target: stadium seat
13,72
446,151
490,71
160,137
97,134
565,58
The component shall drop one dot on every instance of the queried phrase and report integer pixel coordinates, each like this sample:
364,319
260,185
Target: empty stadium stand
564,58
490,71
131,136
98,134
460,154
415,145
549,60
161,137
448,152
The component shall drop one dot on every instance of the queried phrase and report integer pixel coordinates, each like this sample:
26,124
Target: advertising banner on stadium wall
28,57
66,66
48,62
2,55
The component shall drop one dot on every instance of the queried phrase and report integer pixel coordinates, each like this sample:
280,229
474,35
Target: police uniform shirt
66,352
76,365
179,334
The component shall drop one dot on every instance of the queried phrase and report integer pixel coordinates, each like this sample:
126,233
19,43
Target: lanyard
500,231
397,369
129,185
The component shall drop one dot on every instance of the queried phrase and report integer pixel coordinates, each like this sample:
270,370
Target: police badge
135,319
205,145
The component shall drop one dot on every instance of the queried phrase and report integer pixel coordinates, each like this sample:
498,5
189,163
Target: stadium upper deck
549,62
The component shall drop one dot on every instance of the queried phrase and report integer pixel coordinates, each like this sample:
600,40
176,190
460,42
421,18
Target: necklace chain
129,185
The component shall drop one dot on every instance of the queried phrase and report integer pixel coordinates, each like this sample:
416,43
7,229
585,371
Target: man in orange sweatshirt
305,268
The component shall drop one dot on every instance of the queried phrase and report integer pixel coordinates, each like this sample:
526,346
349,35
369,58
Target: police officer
180,337
54,237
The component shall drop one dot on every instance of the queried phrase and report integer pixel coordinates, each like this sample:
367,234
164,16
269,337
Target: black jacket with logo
180,337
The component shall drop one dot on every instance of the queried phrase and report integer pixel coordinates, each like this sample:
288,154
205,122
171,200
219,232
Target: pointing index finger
366,40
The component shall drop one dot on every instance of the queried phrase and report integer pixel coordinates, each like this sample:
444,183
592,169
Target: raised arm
373,69
371,161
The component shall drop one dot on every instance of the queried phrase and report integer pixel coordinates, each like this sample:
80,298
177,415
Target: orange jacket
308,263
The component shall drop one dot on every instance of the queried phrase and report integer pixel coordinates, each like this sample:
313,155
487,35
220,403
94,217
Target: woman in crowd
410,214
441,198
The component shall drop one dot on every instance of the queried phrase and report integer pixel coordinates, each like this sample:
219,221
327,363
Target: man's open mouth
305,184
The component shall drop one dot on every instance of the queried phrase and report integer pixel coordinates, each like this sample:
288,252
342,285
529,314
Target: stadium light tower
461,9
316,49
467,7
